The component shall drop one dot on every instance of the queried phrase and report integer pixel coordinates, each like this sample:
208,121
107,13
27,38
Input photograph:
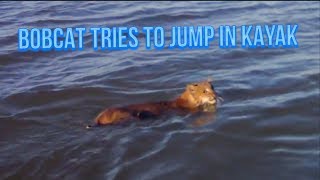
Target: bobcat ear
209,79
191,86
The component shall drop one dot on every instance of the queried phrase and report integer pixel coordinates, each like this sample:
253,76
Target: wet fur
193,99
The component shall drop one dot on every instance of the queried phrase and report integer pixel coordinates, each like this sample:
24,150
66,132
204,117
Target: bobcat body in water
197,97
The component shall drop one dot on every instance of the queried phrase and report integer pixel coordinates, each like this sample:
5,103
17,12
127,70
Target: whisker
220,100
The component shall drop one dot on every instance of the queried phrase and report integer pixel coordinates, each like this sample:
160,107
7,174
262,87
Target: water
266,128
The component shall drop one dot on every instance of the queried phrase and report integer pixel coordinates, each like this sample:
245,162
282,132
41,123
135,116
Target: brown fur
195,96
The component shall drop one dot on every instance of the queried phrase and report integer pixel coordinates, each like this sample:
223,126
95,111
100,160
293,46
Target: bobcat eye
195,84
204,91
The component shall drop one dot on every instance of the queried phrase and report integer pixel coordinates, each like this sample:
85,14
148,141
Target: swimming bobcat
197,97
